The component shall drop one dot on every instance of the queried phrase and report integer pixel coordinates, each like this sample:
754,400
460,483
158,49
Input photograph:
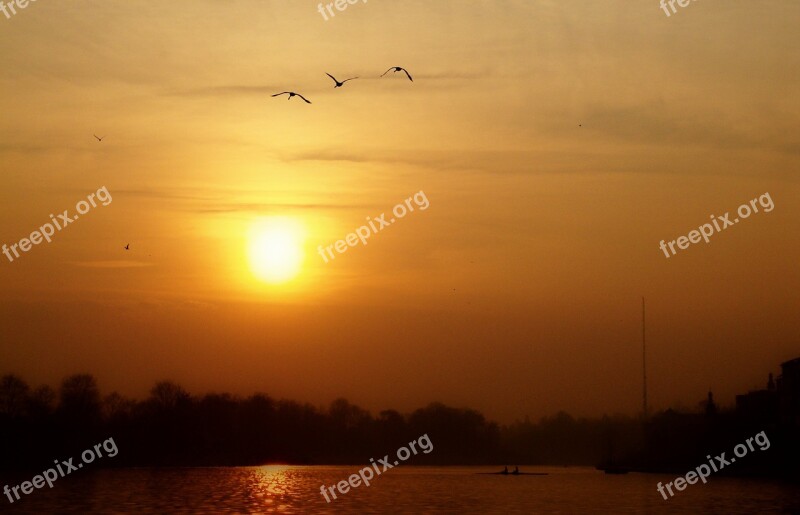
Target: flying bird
128,246
338,84
291,94
98,139
398,69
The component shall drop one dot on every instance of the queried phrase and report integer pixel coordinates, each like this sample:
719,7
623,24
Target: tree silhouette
79,397
167,395
13,396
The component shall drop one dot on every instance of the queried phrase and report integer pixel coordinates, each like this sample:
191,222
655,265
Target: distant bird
338,84
398,69
128,246
291,94
98,139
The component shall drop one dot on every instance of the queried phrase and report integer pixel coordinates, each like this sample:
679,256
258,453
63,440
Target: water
405,489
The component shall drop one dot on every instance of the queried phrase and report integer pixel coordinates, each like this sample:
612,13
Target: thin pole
644,366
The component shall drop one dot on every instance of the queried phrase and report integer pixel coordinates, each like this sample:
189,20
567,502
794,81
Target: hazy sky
558,143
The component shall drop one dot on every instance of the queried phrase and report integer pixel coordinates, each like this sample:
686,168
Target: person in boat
516,471
505,470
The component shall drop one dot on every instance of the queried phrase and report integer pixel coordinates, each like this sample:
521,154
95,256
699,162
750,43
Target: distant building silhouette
759,404
788,391
779,402
711,407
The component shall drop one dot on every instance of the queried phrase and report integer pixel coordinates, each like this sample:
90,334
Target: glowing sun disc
275,249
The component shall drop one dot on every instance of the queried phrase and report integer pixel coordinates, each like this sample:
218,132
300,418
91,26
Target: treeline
174,428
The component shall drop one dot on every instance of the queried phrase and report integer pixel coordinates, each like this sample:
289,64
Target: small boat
505,473
609,466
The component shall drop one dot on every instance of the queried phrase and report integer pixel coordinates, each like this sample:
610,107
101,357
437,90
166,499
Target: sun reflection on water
276,486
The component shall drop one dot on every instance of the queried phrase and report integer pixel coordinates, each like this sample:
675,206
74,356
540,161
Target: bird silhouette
98,139
128,246
338,84
398,69
291,94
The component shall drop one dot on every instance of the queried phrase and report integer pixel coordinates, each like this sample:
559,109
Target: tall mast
644,366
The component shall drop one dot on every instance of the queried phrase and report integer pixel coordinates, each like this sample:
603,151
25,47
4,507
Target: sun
275,249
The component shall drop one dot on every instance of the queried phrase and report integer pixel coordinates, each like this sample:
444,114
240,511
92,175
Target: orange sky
557,142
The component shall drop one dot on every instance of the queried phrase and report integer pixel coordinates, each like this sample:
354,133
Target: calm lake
404,489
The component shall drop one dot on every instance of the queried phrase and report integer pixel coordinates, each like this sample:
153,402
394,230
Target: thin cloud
262,207
195,202
224,91
111,264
